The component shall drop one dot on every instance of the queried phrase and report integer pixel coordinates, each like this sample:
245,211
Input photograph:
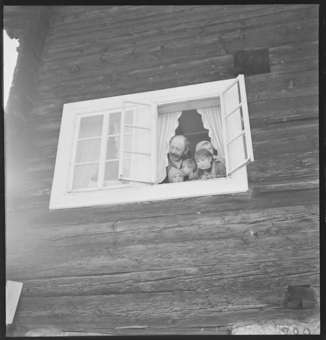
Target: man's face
177,148
185,169
204,163
209,147
177,178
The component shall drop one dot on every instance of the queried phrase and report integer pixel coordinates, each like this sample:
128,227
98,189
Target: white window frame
234,182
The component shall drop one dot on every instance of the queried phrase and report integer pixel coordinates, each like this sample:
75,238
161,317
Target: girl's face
204,163
185,169
177,178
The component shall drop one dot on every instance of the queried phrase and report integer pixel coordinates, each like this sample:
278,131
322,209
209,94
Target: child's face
209,147
177,178
185,169
204,163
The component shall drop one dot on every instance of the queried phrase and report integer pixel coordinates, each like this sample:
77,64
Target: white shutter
137,154
236,126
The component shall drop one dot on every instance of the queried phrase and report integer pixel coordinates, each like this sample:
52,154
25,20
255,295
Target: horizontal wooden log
224,64
232,278
108,313
73,15
198,23
95,62
138,244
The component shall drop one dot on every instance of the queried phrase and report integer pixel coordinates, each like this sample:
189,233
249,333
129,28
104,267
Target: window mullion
236,137
74,150
231,85
234,110
137,126
137,152
101,169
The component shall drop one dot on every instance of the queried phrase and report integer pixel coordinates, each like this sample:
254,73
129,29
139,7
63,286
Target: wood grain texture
187,266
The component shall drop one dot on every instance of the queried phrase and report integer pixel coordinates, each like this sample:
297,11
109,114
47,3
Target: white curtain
167,123
212,121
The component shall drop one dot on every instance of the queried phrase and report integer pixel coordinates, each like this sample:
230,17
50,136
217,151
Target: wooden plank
38,207
271,86
70,14
167,48
287,140
249,276
143,56
204,22
282,186
282,110
138,245
154,311
302,166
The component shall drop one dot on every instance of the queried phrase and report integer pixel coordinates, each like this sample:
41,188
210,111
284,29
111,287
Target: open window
114,150
236,128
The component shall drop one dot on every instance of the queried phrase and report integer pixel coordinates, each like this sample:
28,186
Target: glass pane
85,176
90,126
129,117
126,166
111,171
137,167
111,174
140,116
127,141
234,124
112,150
114,123
88,150
139,141
237,151
231,98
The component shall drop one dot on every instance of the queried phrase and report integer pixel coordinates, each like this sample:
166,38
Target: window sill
143,193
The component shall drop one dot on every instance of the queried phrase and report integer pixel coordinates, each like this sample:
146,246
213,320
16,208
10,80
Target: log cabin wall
193,265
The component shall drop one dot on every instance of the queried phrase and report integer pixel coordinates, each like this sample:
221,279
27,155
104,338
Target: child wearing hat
189,167
175,175
207,168
208,145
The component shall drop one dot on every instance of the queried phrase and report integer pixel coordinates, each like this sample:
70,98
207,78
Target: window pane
126,166
111,170
114,123
231,98
112,150
137,166
128,121
140,116
234,121
138,141
129,117
90,126
85,176
127,141
88,150
238,152
111,174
